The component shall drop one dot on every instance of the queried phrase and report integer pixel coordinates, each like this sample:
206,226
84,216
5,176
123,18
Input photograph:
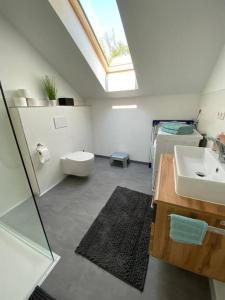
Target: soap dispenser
203,141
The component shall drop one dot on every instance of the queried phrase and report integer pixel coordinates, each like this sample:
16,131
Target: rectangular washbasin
199,174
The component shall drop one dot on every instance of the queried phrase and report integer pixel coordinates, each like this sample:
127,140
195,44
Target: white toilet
78,163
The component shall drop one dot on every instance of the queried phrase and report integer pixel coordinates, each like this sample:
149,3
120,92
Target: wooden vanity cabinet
207,259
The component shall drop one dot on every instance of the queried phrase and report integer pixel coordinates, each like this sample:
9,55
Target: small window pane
106,24
121,81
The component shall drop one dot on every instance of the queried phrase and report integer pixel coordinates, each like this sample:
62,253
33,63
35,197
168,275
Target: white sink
199,174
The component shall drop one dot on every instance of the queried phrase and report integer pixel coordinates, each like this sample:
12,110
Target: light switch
60,122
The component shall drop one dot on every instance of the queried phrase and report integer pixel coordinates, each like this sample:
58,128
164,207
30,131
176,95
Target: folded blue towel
187,230
167,130
177,128
173,125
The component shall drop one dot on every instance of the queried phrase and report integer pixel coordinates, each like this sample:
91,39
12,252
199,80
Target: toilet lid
80,156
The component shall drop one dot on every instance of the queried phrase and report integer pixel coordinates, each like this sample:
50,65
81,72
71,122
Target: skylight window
105,22
102,41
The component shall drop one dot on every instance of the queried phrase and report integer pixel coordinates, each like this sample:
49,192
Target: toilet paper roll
20,101
24,93
43,154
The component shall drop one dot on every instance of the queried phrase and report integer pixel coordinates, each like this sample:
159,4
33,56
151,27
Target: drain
200,174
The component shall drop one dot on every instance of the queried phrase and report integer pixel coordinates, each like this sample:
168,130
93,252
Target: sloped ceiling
38,22
174,43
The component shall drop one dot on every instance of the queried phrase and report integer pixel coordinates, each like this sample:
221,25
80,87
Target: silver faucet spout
222,152
221,147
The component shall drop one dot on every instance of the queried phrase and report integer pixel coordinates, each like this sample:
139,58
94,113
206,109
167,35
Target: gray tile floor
69,209
19,218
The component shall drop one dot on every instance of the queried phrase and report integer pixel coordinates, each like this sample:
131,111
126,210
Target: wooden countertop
165,191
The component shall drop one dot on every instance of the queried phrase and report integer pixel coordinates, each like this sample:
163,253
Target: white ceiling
174,43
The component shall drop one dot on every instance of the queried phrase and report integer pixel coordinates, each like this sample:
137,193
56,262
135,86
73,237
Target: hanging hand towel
187,230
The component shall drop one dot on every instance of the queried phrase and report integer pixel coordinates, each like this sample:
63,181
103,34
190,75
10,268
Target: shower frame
25,170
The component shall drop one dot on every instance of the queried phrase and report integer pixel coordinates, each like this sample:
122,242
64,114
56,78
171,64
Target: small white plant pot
20,101
53,102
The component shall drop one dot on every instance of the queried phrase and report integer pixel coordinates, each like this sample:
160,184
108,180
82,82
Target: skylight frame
80,13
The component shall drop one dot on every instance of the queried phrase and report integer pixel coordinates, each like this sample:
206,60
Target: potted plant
49,88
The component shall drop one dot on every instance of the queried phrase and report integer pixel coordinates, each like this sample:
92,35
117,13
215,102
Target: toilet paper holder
43,153
39,145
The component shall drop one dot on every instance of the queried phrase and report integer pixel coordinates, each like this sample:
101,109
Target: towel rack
215,229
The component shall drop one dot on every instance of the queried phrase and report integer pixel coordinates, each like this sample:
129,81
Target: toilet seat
80,156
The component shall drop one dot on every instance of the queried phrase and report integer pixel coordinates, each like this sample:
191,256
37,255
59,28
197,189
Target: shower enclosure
25,253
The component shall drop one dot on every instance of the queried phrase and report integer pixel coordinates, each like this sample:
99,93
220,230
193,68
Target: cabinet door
207,259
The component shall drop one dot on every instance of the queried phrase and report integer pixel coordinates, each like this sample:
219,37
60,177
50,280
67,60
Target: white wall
75,29
21,67
212,102
130,129
38,127
14,188
14,113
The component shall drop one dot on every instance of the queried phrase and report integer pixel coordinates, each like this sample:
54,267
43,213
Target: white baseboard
51,187
14,206
217,289
212,289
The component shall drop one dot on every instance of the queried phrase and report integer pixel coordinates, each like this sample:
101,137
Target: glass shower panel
18,211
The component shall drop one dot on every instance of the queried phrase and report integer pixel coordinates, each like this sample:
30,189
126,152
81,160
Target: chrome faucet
221,148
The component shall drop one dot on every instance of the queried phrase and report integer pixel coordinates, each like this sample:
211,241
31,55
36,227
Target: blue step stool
120,156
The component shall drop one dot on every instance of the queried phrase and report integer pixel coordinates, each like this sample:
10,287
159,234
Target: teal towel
167,130
172,125
187,230
177,128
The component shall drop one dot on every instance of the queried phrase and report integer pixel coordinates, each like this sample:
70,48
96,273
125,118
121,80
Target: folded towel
186,129
187,230
177,128
167,130
181,131
173,125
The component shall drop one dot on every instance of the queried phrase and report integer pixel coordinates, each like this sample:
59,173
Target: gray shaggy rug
118,239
